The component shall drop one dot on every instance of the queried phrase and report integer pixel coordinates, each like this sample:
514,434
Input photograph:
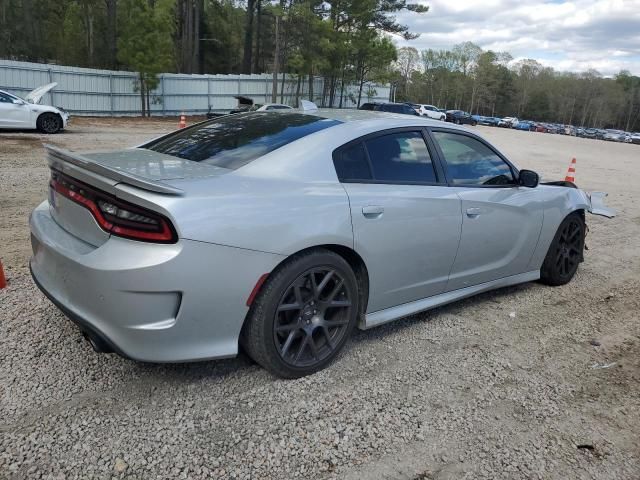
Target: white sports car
26,113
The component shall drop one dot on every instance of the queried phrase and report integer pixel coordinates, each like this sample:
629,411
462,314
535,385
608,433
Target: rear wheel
49,123
303,315
565,252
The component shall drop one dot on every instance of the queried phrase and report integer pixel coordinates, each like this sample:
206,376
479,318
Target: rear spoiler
59,156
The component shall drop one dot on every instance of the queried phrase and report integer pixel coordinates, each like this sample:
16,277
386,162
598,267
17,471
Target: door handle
372,211
473,212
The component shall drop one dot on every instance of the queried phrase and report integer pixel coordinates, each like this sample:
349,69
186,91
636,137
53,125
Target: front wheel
303,315
565,252
49,123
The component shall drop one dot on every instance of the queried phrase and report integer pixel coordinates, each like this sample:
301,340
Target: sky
567,35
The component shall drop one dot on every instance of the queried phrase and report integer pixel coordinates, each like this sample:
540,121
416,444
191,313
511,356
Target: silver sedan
279,232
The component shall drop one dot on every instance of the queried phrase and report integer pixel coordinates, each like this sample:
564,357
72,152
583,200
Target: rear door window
401,157
352,164
232,141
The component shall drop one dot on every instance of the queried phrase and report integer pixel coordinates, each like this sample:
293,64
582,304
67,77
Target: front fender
559,201
597,206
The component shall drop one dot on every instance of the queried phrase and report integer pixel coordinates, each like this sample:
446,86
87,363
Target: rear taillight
114,215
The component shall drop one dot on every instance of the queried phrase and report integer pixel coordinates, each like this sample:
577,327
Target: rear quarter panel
269,215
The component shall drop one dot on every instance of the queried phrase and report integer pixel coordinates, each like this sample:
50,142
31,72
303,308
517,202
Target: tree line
345,41
489,83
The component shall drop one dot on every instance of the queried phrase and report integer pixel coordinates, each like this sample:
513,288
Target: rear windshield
235,140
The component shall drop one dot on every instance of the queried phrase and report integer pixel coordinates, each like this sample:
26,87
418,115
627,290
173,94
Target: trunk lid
104,172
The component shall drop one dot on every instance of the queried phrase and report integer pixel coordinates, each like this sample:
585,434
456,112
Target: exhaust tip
97,343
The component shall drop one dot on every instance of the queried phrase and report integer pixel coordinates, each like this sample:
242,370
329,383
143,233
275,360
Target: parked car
245,104
600,133
525,125
27,114
432,112
553,128
634,138
508,122
588,133
368,106
402,108
415,106
615,136
281,233
490,121
460,117
273,106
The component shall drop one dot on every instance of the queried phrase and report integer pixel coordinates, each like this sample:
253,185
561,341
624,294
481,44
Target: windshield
235,140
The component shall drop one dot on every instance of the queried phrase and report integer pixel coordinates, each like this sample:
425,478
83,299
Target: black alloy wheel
49,123
565,252
303,314
312,317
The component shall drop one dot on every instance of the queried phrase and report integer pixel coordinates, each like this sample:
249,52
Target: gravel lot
504,385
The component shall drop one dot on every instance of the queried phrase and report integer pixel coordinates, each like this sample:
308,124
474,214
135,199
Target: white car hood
34,96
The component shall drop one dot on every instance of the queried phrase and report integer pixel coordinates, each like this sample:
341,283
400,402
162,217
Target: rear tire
49,123
565,252
303,315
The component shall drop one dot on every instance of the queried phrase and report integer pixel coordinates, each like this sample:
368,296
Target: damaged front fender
597,206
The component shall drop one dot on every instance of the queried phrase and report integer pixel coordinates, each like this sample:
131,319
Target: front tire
565,252
303,315
49,123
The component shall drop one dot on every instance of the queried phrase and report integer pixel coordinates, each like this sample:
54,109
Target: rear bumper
84,325
148,302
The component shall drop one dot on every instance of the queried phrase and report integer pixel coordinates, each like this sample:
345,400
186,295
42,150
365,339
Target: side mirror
528,178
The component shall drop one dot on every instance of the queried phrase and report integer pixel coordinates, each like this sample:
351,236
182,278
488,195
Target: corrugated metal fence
85,91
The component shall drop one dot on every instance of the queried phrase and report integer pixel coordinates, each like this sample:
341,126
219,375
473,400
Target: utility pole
276,58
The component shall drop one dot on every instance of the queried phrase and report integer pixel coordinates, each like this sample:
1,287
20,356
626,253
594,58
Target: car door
406,221
13,115
501,221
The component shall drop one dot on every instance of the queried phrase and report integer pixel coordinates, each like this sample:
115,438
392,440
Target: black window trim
441,160
435,160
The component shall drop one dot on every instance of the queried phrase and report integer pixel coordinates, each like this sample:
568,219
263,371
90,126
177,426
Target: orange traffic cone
571,172
183,121
3,281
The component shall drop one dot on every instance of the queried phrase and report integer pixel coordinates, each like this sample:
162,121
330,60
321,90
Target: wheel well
49,113
359,269
354,260
580,212
356,263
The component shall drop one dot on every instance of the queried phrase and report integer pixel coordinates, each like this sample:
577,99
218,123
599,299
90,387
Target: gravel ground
525,382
